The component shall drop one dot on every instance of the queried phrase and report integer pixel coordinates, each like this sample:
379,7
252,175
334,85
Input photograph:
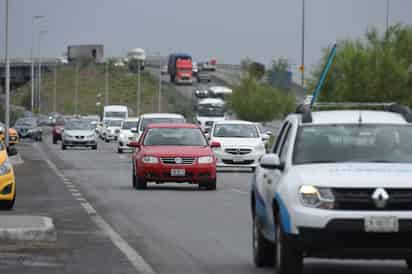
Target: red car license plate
177,172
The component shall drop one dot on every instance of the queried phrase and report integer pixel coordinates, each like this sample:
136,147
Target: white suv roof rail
306,111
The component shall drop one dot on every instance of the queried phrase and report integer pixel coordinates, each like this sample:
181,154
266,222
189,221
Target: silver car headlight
5,167
317,197
68,136
91,136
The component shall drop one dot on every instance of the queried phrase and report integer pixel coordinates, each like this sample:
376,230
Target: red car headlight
205,160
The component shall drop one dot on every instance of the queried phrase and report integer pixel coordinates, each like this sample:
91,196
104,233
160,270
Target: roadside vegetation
255,100
122,91
377,68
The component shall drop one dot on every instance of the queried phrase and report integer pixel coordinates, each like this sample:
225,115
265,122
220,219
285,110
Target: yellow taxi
13,135
7,181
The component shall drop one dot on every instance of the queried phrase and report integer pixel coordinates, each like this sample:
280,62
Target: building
85,53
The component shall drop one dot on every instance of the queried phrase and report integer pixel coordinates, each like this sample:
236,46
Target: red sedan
173,153
57,132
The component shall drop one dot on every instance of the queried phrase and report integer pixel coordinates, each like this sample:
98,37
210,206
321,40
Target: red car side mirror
215,145
134,144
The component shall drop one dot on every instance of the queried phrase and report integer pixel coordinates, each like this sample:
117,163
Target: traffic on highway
171,158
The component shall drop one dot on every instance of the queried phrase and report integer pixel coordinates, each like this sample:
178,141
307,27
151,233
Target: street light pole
55,88
34,18
76,89
106,91
7,114
159,102
41,33
139,93
302,68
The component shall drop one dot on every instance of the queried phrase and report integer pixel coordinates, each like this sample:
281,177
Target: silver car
78,133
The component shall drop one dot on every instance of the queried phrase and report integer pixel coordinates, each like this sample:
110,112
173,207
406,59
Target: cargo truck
180,68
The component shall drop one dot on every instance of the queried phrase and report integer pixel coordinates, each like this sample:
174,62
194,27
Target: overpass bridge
20,70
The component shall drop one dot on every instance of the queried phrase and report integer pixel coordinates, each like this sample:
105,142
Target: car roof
172,125
211,101
133,119
235,122
161,115
354,116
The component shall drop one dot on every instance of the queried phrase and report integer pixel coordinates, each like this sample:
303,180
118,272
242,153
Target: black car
203,76
29,128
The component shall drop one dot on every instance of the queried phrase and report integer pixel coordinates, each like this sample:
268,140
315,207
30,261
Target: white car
336,184
112,130
237,144
126,134
209,111
157,118
78,133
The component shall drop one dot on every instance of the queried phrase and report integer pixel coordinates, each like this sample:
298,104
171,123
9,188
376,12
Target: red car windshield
174,137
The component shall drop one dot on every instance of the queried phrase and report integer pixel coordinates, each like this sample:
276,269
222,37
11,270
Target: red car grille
177,160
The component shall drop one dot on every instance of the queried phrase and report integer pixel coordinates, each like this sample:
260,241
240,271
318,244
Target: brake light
215,144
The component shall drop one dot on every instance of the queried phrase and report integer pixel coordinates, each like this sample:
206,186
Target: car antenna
360,118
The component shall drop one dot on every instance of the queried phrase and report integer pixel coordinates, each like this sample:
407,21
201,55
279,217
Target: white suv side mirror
265,137
271,161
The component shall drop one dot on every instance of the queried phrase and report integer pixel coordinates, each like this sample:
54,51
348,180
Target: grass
122,91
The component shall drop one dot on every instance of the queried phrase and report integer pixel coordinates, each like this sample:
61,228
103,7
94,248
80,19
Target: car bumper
250,160
184,81
7,187
75,143
194,174
345,239
123,144
110,136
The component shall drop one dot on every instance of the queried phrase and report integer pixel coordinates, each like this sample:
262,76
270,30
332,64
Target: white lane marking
76,194
81,199
68,183
239,191
73,190
89,209
71,186
132,255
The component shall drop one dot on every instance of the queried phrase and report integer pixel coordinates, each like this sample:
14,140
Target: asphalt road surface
178,228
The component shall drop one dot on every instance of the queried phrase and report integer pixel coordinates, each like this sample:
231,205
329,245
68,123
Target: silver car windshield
353,143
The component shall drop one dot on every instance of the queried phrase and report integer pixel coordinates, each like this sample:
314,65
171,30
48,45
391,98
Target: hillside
122,90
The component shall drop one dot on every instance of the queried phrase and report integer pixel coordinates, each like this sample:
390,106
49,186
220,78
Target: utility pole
138,95
159,102
387,14
32,77
7,114
55,88
41,33
302,68
106,91
76,89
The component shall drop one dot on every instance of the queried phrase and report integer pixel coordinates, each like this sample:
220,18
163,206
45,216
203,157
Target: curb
12,231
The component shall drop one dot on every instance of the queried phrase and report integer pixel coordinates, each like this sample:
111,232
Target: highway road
178,228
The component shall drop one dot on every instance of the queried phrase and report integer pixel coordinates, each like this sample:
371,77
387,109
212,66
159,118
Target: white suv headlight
150,160
317,197
5,167
260,147
205,160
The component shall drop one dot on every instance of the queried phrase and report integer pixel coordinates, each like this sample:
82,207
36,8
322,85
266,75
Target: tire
409,263
288,259
140,183
119,150
263,250
94,147
211,185
134,180
54,140
106,140
8,205
63,147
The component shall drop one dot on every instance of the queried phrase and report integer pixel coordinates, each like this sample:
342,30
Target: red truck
180,68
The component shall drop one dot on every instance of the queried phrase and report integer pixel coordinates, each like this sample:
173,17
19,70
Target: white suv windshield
115,114
353,143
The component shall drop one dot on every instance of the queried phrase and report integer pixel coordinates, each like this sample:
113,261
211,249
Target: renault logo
178,160
380,197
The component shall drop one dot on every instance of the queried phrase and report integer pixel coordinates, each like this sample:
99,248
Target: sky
229,30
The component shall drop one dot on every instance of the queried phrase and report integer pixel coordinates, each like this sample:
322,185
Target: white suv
337,184
238,144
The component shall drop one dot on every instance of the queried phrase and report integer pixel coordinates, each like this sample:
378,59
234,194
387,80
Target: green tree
373,69
255,102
